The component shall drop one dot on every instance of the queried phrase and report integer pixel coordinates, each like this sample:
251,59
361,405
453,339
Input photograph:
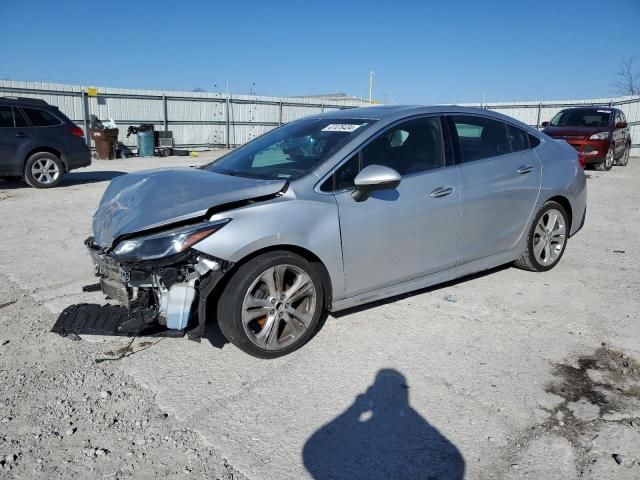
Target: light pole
371,75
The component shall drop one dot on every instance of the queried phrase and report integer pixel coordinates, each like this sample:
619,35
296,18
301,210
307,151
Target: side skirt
429,280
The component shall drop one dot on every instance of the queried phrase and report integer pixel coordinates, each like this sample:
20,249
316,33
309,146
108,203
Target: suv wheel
608,161
624,159
43,170
547,239
272,304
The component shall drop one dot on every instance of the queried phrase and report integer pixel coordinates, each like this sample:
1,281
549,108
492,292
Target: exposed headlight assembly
165,244
599,136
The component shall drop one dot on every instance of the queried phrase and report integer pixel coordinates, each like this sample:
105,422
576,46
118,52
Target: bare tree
628,82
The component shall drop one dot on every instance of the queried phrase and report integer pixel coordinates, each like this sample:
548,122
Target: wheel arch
566,204
327,285
45,149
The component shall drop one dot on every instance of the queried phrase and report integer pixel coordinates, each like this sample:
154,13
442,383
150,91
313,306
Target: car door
14,134
410,231
499,182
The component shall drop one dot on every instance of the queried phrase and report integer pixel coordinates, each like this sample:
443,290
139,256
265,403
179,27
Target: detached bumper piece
161,297
112,320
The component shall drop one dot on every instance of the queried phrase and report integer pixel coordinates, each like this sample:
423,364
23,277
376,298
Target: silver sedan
330,212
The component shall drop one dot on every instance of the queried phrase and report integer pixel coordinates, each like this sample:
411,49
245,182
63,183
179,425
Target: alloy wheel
279,307
45,171
549,237
608,161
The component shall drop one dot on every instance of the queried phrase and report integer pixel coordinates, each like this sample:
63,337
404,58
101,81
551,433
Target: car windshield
582,117
291,151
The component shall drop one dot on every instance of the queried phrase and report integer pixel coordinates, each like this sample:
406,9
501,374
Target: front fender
311,225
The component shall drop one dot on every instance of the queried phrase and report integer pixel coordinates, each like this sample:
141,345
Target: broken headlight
164,244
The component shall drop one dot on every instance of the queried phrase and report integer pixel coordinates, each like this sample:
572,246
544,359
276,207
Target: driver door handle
525,169
442,192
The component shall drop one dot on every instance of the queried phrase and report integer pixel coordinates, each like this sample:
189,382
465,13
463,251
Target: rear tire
546,240
608,161
43,170
270,318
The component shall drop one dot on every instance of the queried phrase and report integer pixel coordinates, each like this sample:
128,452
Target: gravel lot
509,374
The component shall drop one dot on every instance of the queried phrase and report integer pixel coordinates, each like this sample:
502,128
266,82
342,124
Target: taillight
76,131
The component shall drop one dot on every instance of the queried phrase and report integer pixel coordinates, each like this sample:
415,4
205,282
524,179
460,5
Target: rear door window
518,138
6,117
41,118
480,137
19,118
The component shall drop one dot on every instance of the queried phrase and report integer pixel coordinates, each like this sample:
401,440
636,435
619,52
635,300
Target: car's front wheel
546,240
43,170
608,161
624,159
272,304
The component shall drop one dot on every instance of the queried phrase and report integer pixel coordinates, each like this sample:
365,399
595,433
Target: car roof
24,101
391,113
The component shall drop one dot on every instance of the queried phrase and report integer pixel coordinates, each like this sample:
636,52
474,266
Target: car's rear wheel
272,304
547,239
608,161
624,159
43,170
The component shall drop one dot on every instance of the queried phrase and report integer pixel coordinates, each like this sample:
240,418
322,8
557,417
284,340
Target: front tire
624,159
608,161
43,170
547,239
272,304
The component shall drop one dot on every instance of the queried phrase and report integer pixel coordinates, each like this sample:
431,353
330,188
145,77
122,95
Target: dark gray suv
38,142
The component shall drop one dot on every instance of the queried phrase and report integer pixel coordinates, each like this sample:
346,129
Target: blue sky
421,51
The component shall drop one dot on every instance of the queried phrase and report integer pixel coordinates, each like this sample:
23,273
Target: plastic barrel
145,144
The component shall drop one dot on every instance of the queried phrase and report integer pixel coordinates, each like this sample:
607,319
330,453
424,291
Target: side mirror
621,125
544,124
374,178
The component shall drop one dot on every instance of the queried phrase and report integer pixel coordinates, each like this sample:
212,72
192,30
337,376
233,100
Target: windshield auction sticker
341,127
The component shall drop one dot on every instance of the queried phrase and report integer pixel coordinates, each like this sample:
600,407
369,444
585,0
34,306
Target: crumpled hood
143,200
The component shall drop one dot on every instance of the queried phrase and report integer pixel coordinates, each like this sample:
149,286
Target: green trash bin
146,144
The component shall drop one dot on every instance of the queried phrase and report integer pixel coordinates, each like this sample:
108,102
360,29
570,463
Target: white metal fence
534,113
213,119
195,118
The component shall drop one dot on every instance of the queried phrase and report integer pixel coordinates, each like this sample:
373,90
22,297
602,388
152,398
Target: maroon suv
599,134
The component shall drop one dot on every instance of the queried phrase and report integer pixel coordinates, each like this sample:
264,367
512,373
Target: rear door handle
21,135
525,169
442,192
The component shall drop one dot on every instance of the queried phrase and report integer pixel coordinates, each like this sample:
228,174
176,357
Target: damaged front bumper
169,293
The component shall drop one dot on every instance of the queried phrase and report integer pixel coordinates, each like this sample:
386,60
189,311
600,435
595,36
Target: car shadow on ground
70,179
380,436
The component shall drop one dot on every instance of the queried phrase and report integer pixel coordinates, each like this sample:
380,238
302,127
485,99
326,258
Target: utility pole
371,75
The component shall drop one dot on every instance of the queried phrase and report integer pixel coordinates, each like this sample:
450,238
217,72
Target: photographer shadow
381,437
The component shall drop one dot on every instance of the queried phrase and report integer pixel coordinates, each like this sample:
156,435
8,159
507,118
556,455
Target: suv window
410,147
518,138
19,118
481,137
41,118
6,117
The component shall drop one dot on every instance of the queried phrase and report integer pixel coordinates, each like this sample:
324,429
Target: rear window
41,118
6,117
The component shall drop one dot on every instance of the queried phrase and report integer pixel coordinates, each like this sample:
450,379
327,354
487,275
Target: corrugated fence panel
196,111
290,112
196,118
